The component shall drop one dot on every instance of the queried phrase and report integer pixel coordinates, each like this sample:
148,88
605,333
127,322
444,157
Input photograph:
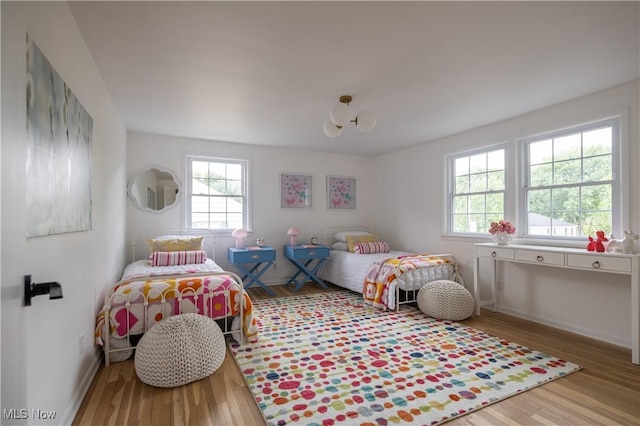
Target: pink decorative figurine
592,244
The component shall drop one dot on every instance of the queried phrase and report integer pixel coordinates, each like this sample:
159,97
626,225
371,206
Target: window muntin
570,181
217,193
478,185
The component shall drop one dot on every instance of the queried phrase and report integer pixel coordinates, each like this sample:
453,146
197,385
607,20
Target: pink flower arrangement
502,226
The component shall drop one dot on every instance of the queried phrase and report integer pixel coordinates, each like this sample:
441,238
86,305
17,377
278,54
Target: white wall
412,213
269,220
44,366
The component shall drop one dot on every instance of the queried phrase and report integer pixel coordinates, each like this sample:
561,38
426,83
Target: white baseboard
486,304
269,283
625,343
73,407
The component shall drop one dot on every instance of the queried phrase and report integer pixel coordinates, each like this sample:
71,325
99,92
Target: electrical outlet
81,343
275,265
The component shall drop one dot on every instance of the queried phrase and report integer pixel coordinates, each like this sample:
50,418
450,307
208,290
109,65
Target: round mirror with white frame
154,189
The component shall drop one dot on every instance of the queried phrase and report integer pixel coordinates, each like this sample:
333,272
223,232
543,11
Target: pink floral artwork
341,192
295,191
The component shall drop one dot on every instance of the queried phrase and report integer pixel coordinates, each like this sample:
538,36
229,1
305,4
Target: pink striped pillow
371,247
171,258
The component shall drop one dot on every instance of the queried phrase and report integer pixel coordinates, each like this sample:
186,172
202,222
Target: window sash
577,186
476,222
227,207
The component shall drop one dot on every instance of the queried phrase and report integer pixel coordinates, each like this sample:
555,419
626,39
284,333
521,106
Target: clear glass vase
501,238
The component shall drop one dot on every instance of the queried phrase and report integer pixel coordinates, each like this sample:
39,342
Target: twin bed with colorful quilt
386,278
176,276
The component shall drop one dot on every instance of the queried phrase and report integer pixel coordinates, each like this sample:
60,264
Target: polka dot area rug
328,358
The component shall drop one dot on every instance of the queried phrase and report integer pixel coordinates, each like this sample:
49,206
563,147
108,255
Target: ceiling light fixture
340,115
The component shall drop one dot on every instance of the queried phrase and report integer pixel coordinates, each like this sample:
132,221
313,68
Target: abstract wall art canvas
59,129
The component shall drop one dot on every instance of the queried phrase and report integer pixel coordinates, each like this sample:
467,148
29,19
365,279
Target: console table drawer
496,252
540,257
602,263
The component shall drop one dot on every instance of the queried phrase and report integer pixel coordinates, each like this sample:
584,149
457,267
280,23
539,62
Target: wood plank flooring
605,392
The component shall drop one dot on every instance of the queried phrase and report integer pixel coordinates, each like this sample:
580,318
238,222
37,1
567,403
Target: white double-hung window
477,188
217,193
571,182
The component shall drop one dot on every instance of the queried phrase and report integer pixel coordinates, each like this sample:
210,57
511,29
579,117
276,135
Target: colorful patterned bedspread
204,294
379,284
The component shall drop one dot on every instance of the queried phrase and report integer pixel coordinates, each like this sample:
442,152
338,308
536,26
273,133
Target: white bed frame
140,251
411,296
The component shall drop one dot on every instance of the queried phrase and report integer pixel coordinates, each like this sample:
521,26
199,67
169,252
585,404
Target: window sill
226,233
517,240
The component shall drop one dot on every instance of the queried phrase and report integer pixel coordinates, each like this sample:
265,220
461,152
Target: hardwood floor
605,392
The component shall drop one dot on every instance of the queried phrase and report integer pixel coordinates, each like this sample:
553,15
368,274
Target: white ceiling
268,73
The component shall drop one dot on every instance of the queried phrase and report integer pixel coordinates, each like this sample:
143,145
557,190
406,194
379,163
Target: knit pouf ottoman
179,350
445,299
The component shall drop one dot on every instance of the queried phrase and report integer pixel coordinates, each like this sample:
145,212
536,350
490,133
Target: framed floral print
295,191
341,192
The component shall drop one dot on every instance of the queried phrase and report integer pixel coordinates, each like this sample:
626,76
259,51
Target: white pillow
340,246
342,236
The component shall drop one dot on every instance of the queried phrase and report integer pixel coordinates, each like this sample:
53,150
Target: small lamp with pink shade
239,233
293,233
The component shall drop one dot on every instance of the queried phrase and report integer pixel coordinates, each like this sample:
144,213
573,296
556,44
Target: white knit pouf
445,299
179,350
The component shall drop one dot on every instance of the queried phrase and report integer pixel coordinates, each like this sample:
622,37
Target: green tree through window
569,181
477,190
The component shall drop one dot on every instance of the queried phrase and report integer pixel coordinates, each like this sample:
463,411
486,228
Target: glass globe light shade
340,114
366,121
331,129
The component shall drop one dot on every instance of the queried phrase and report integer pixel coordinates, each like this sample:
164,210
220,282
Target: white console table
613,263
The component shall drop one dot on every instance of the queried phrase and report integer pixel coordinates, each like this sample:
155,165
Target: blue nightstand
261,259
302,257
